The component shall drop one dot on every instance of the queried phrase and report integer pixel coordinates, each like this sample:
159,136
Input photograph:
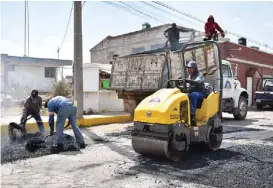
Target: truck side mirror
236,72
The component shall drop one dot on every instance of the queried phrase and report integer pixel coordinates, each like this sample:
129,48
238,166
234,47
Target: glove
223,34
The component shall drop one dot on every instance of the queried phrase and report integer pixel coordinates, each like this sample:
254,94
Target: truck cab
235,98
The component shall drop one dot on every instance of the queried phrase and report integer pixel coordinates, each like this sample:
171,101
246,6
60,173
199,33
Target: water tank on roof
146,25
242,41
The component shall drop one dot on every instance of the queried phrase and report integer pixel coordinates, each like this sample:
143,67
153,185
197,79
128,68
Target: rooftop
23,60
131,33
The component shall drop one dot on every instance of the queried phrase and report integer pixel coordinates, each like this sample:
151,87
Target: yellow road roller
162,122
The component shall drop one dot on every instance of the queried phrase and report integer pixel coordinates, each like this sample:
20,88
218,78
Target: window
156,46
138,50
226,71
50,72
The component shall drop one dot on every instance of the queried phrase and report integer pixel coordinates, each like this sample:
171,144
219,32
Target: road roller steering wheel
181,84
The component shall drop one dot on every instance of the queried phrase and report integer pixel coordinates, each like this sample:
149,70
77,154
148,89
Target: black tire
241,112
259,106
215,138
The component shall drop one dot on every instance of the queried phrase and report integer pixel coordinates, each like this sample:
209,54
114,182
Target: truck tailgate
137,72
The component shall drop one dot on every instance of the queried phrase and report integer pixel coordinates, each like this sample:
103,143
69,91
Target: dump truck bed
148,71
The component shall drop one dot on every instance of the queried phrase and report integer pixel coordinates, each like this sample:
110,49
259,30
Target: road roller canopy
148,71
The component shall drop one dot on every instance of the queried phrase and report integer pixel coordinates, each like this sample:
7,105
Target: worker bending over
197,89
32,106
173,35
64,109
211,28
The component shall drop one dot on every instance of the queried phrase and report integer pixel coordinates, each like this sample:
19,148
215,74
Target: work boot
81,145
193,121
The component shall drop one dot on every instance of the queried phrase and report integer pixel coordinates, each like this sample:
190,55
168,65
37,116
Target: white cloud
236,19
47,49
268,24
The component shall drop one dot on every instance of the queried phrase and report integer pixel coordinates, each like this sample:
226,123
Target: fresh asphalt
244,160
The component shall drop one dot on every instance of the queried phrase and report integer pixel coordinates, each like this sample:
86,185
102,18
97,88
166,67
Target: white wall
108,101
102,101
90,79
91,100
2,77
30,77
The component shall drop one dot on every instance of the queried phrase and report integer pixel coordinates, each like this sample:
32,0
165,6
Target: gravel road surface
245,160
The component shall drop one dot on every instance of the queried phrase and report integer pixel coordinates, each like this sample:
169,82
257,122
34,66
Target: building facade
149,38
253,64
19,75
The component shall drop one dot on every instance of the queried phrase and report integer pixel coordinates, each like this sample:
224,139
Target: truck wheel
241,112
259,106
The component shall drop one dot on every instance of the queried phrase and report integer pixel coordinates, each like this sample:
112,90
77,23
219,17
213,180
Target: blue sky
48,23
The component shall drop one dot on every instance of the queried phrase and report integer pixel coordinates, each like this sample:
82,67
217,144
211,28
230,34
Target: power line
141,12
155,14
120,7
199,20
66,28
169,13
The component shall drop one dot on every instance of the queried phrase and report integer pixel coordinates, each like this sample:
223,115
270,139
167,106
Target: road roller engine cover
162,121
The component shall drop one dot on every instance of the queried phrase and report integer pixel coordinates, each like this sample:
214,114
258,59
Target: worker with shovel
64,109
32,107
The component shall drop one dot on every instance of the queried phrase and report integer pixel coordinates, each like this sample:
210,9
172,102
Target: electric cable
201,21
66,27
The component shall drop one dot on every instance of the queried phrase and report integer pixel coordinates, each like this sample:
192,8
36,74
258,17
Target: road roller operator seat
208,106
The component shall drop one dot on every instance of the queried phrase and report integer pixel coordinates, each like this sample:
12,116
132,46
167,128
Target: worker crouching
32,107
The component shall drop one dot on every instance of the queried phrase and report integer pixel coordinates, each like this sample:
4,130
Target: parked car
264,93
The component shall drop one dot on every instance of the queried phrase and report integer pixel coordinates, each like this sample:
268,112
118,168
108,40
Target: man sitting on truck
173,35
197,89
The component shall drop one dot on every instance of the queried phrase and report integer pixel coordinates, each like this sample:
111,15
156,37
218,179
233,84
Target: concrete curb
84,122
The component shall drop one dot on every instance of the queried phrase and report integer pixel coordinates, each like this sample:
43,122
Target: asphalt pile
33,145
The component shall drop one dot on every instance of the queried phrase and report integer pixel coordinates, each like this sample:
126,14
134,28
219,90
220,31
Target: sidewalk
87,121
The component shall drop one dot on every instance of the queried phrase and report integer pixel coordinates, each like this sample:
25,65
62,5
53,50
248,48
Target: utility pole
77,74
25,28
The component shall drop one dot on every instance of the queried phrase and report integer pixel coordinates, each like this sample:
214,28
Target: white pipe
249,63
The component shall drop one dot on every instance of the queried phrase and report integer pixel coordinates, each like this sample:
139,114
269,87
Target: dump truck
136,76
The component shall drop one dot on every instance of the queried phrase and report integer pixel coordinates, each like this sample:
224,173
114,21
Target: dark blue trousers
194,97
